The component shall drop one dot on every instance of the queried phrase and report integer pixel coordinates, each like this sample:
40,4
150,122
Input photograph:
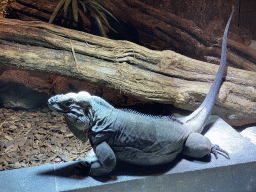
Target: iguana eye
68,102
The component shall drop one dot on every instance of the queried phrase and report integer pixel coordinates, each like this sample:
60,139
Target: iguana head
70,102
76,109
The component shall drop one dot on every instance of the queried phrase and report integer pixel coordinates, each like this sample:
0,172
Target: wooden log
160,28
160,76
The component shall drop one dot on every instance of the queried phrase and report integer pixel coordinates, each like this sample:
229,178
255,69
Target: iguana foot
82,168
217,150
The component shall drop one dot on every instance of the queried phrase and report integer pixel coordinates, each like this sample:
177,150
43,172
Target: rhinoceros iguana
139,139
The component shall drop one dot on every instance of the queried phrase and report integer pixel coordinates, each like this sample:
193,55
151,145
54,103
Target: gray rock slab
27,179
184,174
250,134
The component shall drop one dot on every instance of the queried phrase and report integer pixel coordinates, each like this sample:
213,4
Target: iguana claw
216,149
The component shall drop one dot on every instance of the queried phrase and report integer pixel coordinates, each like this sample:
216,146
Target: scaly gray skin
136,138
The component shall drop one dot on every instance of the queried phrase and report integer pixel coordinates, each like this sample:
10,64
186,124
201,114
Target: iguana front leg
101,160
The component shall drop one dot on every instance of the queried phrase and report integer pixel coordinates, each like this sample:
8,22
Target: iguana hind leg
198,146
